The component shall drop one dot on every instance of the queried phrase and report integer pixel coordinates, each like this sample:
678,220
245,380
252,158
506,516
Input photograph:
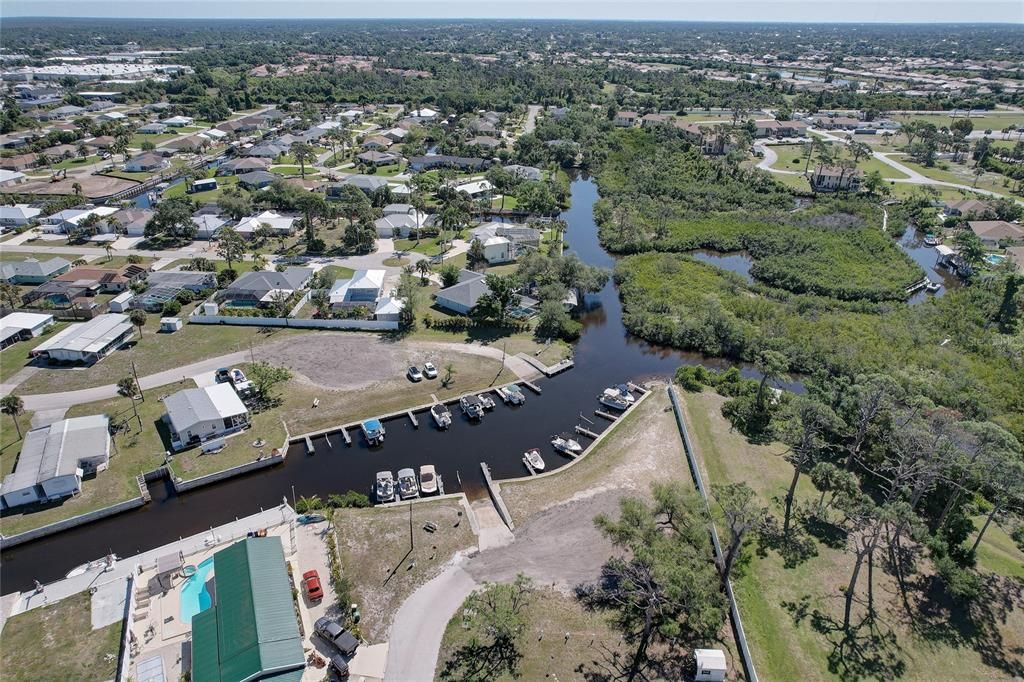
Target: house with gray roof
367,183
32,271
462,297
257,179
524,172
259,288
54,459
196,415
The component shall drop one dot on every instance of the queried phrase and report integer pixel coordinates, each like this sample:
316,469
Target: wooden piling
609,417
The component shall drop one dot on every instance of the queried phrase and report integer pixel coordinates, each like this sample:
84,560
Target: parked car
429,371
311,584
340,666
223,375
331,631
414,374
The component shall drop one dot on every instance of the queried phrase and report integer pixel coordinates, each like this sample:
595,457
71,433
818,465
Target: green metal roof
251,633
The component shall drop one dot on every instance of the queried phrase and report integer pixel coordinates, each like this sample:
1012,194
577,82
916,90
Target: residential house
268,150
102,142
111,116
528,173
378,142
404,223
133,220
19,163
497,249
994,233
103,105
197,415
478,189
423,114
178,121
626,119
32,271
213,135
278,224
62,113
462,297
87,342
521,236
654,120
837,122
54,458
375,158
463,163
10,178
835,179
967,208
395,134
145,163
100,280
362,289
152,129
251,631
259,288
208,225
163,287
18,215
19,326
122,303
244,165
367,183
257,179
485,142
189,143
69,220
389,309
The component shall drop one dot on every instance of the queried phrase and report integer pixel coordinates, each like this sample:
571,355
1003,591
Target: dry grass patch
376,557
57,643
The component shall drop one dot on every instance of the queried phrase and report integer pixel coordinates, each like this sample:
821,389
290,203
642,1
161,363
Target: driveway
531,118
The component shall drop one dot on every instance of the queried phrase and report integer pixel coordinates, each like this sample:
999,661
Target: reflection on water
737,262
912,243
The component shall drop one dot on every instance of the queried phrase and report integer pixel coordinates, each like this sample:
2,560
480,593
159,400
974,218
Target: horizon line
916,22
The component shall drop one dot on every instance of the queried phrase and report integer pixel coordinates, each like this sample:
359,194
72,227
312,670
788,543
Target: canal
606,354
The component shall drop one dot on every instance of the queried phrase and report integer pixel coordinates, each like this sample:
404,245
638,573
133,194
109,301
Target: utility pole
142,395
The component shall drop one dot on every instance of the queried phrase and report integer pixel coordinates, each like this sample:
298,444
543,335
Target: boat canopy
372,425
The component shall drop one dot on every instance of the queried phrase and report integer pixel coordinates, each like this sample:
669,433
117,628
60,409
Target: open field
56,643
376,556
131,454
940,642
13,358
550,615
959,173
791,157
983,120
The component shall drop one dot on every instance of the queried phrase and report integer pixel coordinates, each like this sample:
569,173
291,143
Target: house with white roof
18,215
18,326
196,415
9,178
389,309
178,121
70,219
363,289
54,458
87,342
277,223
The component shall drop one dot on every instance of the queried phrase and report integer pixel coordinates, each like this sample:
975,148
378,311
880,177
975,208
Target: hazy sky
828,11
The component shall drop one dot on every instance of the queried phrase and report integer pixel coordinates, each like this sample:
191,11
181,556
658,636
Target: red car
311,583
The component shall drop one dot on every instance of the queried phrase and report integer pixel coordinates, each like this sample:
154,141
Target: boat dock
532,387
412,418
309,446
344,434
605,415
547,371
917,286
586,432
529,467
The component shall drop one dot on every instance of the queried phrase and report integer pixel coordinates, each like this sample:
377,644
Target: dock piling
609,417
412,418
344,434
309,446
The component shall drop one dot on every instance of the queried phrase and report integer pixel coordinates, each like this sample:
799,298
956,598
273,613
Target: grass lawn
986,120
266,425
959,173
139,138
38,255
777,602
13,358
337,272
390,171
373,543
510,202
153,353
471,373
136,452
791,157
546,653
428,246
289,170
179,190
56,643
10,442
74,162
129,175
118,261
217,264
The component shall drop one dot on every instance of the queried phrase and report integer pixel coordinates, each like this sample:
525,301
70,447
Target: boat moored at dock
442,415
384,490
533,460
407,487
565,444
487,401
512,394
472,407
374,431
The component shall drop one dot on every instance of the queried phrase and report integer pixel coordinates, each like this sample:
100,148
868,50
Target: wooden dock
609,417
547,371
328,439
586,432
639,389
532,387
529,467
344,434
412,418
309,446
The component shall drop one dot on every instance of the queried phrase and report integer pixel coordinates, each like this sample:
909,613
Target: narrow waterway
912,243
606,354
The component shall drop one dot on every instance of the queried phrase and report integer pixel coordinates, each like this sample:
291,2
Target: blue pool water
194,596
995,259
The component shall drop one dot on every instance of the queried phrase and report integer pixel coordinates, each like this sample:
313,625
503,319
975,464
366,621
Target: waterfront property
992,233
251,631
54,459
87,342
20,326
197,415
462,297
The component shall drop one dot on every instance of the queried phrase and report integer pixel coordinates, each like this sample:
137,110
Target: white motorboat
611,398
565,444
533,459
442,415
106,563
512,394
374,431
472,407
932,286
407,487
487,401
384,490
428,480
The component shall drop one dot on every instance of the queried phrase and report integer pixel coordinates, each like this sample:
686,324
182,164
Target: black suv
343,640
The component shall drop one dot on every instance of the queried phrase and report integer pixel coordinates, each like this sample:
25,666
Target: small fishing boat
472,407
564,443
613,399
931,240
306,519
407,488
512,394
442,415
384,490
374,431
428,480
533,459
932,286
487,401
106,563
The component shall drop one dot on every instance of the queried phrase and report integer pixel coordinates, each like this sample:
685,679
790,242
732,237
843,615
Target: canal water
606,354
912,243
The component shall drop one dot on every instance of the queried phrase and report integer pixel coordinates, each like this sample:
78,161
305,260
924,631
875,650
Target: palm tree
76,188
9,294
14,406
109,248
302,153
138,318
423,267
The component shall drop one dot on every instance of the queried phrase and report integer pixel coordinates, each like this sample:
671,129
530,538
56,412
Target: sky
824,11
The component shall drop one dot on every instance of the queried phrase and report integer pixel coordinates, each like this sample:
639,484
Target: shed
710,665
170,324
204,185
122,302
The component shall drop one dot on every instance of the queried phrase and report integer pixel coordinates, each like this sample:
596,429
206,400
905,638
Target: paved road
770,157
531,118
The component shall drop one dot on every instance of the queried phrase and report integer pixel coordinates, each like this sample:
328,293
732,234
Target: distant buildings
835,179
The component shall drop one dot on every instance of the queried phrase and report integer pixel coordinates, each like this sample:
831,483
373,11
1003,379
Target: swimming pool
995,259
195,598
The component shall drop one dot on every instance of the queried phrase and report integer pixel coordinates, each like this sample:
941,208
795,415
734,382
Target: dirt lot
374,542
92,186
